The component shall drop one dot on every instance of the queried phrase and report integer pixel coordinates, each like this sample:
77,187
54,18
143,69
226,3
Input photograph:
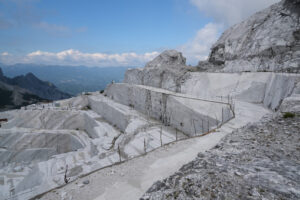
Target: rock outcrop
165,71
267,41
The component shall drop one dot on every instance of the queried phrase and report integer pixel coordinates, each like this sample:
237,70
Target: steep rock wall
182,113
269,89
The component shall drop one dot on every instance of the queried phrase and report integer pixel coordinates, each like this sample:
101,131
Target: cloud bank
75,58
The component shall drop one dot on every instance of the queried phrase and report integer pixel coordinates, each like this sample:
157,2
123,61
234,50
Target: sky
107,33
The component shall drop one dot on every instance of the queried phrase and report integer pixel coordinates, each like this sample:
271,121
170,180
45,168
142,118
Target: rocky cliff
267,41
165,71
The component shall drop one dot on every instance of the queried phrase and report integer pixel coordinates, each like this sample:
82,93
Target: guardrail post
160,136
222,115
207,125
193,121
119,152
145,146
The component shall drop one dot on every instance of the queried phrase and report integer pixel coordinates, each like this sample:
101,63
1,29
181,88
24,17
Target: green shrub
288,115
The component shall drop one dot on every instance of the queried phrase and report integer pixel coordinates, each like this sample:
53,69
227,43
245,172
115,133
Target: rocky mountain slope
43,89
259,161
14,97
267,41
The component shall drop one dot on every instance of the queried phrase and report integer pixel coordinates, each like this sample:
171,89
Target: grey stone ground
259,161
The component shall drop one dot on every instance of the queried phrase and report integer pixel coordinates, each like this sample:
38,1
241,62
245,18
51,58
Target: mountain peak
31,76
167,58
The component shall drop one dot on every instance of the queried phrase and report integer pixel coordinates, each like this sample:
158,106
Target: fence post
194,126
176,134
160,136
207,125
202,126
145,146
65,177
222,115
57,143
119,152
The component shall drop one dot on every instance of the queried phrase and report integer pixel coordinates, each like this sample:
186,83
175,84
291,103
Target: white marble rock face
267,41
164,71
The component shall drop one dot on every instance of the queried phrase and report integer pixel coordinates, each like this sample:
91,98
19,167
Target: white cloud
198,48
75,57
5,54
230,12
6,57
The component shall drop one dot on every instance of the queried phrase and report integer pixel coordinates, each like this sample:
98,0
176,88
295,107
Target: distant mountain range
23,90
14,97
70,79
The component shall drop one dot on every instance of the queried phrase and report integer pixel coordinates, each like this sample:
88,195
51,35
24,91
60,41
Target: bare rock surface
292,103
164,71
259,161
267,41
